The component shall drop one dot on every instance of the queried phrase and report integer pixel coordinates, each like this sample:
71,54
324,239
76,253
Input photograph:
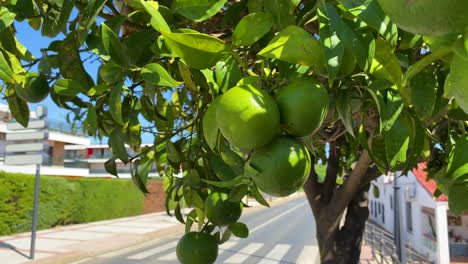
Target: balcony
430,242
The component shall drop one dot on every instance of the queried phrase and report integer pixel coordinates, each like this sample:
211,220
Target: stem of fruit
421,64
243,64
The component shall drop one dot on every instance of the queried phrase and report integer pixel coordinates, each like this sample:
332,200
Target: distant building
70,152
422,217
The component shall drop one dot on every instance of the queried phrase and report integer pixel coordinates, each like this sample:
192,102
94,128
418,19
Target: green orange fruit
303,105
35,88
220,211
111,73
280,168
428,17
197,248
248,117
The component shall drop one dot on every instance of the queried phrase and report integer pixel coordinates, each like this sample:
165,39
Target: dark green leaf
197,10
282,11
239,230
172,152
457,197
245,34
227,74
115,104
191,217
92,118
19,109
156,74
397,140
210,126
456,84
178,214
422,93
345,112
238,192
55,15
88,16
113,46
117,144
231,183
226,235
294,45
258,196
458,159
111,167
385,64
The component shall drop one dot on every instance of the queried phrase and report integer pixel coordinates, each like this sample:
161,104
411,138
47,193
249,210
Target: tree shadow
13,248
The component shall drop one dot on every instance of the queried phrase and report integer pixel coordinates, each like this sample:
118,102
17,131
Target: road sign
33,124
24,159
26,147
22,136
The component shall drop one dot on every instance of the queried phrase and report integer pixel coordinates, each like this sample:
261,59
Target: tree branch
351,186
312,189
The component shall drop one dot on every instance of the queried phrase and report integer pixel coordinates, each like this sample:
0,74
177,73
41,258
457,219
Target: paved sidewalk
73,242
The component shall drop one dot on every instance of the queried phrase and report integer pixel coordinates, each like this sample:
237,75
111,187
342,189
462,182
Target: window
409,217
391,202
383,213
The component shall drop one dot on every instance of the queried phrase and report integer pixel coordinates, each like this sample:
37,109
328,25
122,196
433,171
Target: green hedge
64,201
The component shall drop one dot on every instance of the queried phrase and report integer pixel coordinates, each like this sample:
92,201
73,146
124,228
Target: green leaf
226,235
10,43
345,112
227,74
142,169
19,109
113,46
422,93
457,197
238,192
390,110
191,217
456,84
6,18
197,10
201,217
99,89
258,196
397,140
88,16
172,152
210,126
199,51
157,20
376,191
385,64
6,74
372,14
156,74
332,37
245,34
92,118
221,169
117,144
294,45
115,104
458,159
67,87
55,15
231,183
239,230
282,11
111,167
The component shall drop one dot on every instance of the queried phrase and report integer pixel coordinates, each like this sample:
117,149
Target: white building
425,222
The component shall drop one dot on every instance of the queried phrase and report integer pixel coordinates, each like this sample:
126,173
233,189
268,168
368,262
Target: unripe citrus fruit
220,211
248,117
35,88
280,168
303,105
111,73
428,17
197,248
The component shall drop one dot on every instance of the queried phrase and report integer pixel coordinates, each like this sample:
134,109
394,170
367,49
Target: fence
384,249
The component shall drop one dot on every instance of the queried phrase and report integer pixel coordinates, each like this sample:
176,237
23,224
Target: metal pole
35,211
396,205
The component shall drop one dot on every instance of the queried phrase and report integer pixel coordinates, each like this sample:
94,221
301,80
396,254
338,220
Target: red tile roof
429,185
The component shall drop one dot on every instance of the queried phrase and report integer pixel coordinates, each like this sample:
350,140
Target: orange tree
250,95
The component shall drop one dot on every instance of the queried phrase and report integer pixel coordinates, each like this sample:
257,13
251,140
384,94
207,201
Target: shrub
64,201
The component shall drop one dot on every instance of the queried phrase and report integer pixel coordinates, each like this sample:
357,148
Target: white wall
45,170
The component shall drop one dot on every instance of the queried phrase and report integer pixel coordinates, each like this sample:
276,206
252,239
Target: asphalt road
284,233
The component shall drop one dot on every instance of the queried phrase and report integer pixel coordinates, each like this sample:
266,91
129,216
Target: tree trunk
340,239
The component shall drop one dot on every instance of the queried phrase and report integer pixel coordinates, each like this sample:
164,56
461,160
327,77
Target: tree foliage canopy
396,97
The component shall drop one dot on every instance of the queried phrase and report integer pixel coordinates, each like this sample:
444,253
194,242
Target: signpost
28,148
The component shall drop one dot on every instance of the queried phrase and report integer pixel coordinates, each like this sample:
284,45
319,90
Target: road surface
284,233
